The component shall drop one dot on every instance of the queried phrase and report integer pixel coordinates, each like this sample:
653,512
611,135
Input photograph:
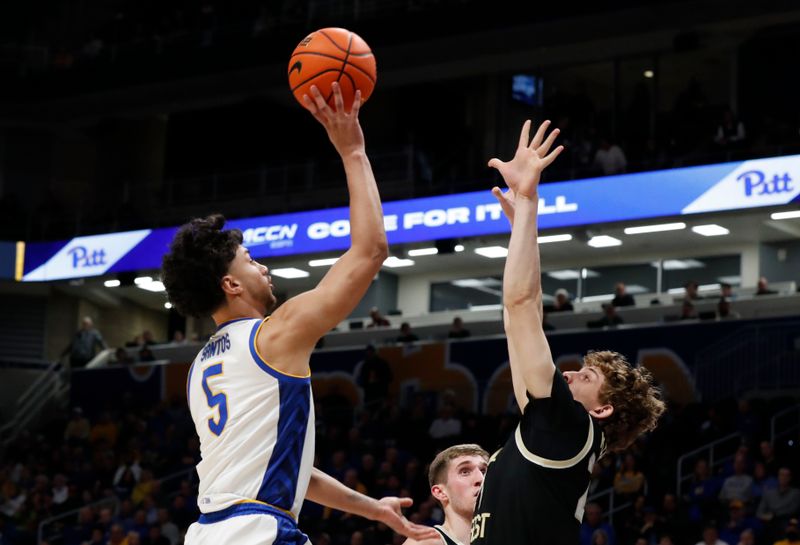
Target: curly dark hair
198,258
637,402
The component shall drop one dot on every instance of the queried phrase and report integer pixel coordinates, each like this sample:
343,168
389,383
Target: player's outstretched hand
523,172
343,127
390,513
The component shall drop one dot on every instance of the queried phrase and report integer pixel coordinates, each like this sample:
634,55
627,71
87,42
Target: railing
46,535
715,458
50,529
790,417
32,401
756,357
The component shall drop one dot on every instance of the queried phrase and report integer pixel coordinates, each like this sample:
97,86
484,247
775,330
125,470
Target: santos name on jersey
256,428
535,486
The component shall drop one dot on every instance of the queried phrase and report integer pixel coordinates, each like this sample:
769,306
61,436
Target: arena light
649,74
422,251
112,283
657,228
289,272
459,248
554,238
710,230
604,241
395,262
154,286
142,280
679,264
167,305
323,262
785,215
492,252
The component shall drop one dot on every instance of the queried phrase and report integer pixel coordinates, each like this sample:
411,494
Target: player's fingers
495,163
309,104
537,139
319,100
552,156
356,103
337,97
406,502
544,148
525,134
419,532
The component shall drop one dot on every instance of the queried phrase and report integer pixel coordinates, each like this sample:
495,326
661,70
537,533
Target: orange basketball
328,55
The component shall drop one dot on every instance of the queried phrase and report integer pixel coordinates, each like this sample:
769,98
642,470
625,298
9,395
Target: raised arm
529,354
327,491
289,337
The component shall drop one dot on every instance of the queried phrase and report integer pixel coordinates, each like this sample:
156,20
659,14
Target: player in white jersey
249,389
455,476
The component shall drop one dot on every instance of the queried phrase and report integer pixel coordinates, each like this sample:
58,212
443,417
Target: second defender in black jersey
535,486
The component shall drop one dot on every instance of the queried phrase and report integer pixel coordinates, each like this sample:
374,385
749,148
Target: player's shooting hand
523,172
343,127
391,515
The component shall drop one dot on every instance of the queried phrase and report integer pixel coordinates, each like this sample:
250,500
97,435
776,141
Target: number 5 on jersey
219,400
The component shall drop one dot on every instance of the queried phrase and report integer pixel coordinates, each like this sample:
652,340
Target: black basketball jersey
446,538
535,487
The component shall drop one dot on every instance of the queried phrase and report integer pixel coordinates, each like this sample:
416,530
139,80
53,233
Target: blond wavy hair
637,403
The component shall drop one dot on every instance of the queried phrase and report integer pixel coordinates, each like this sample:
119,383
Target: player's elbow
517,300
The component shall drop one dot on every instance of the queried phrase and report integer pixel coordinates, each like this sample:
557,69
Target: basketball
328,55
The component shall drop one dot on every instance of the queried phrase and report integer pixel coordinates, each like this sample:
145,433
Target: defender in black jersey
536,485
455,476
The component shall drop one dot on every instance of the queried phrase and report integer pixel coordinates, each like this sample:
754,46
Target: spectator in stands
457,330
178,338
78,428
154,536
791,534
738,486
377,319
610,317
688,311
703,490
374,378
766,453
609,158
105,430
747,537
147,338
711,536
84,345
599,537
168,528
780,505
122,358
562,302
762,481
738,522
691,292
724,311
406,335
145,354
446,427
629,481
726,291
763,287
621,297
730,131
592,522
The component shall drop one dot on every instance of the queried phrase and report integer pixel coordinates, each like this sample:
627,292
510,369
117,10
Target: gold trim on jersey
555,464
255,347
284,511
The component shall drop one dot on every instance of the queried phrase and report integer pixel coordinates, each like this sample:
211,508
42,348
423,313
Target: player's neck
235,310
456,526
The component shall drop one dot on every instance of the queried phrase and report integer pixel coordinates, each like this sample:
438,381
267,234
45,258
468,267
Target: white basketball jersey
255,423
